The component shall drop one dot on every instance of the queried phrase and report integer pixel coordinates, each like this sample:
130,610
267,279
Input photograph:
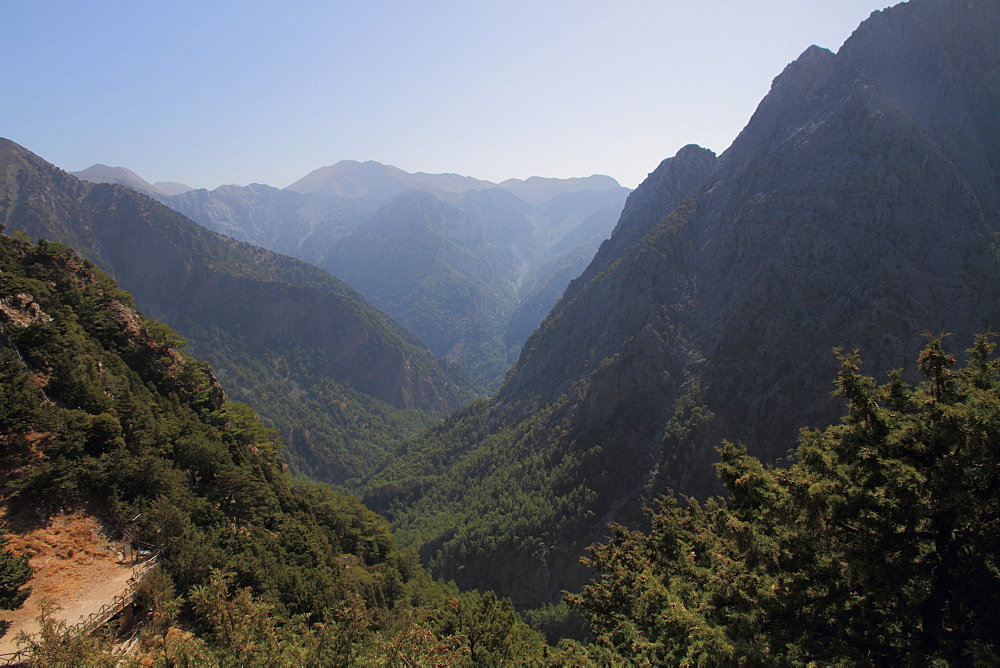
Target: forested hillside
876,544
340,380
101,409
857,209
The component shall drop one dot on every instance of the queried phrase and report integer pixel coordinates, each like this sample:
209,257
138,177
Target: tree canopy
877,544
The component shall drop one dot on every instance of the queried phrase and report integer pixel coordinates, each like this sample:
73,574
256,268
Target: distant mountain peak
172,187
99,173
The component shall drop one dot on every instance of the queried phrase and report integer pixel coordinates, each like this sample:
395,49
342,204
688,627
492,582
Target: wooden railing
15,658
95,620
115,606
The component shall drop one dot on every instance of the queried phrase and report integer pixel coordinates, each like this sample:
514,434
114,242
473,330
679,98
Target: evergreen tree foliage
877,546
14,574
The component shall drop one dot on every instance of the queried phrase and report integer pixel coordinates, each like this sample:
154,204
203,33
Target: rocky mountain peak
673,181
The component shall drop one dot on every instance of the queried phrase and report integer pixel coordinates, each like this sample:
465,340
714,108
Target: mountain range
470,265
858,210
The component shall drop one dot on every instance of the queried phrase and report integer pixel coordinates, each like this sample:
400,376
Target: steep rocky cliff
264,320
857,209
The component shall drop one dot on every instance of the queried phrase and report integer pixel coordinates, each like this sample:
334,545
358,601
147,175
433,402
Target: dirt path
75,565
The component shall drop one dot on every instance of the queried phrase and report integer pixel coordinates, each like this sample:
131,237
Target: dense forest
876,545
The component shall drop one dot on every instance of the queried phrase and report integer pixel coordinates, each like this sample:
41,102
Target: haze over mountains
126,177
471,266
858,209
374,180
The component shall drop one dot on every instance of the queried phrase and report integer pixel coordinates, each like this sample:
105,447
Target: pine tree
14,573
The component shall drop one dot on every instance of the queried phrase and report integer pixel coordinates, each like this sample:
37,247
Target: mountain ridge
857,209
350,178
99,173
463,281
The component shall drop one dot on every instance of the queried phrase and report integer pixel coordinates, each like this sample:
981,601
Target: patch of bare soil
75,564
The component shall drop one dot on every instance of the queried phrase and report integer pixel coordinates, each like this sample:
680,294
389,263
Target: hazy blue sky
212,92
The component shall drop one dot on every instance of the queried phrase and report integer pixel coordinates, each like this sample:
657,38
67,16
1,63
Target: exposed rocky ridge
21,310
858,208
271,308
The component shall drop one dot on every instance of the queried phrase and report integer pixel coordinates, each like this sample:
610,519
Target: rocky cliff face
299,327
857,209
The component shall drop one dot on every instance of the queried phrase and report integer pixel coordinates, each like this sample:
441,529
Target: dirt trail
75,565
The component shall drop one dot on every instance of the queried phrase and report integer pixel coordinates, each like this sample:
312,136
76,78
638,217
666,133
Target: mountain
393,236
170,187
340,380
126,177
537,190
456,268
858,208
565,260
304,226
370,179
442,271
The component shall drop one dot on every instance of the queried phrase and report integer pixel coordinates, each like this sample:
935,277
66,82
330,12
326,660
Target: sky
219,92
